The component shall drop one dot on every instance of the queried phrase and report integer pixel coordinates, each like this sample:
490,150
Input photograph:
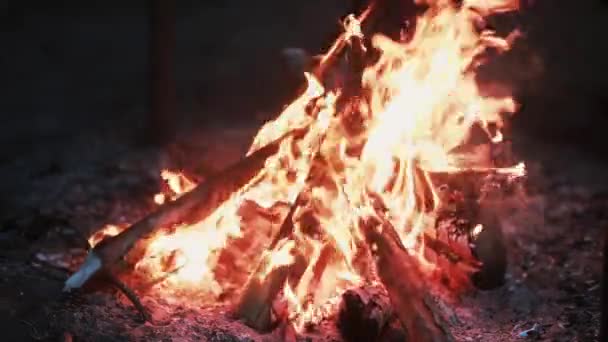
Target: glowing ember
421,104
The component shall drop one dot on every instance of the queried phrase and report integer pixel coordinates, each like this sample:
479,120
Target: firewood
255,306
393,332
255,303
404,281
441,248
489,248
343,40
191,207
130,294
364,313
259,293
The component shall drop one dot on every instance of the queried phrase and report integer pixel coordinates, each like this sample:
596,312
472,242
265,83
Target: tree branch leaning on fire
392,18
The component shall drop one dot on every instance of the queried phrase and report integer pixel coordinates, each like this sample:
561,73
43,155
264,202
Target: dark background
74,77
71,66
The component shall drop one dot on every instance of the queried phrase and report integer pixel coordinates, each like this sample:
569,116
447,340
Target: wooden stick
259,293
328,58
191,207
363,314
443,249
130,294
404,282
255,304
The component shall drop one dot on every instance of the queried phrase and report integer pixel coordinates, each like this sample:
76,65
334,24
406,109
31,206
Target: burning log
369,145
489,247
404,282
255,304
446,251
256,300
191,207
364,313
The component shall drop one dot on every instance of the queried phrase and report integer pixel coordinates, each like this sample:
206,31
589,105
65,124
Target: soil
554,235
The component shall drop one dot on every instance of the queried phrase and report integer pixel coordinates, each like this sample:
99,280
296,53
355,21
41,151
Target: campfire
369,187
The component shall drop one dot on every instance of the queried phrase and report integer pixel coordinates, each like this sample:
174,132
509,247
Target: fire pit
368,200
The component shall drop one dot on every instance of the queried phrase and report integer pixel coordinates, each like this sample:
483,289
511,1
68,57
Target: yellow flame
177,183
105,232
421,103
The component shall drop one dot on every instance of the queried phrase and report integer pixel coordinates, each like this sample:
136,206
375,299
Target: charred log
255,305
445,250
400,274
256,301
364,314
193,206
489,248
262,288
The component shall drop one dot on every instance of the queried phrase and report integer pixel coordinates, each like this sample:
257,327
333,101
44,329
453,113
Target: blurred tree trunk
161,120
604,300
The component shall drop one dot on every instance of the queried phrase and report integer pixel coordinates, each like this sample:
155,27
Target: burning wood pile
363,199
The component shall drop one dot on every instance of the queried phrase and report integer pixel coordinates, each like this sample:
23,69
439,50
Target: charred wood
445,250
489,248
259,293
193,206
404,282
255,306
262,288
130,294
364,314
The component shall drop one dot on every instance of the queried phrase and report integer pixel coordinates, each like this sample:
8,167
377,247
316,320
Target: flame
477,230
177,184
422,102
105,232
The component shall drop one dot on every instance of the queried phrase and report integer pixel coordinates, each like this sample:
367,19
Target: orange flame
105,232
177,184
422,103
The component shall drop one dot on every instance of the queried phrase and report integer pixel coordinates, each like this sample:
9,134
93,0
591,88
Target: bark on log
443,249
364,314
490,249
254,306
191,207
259,293
404,282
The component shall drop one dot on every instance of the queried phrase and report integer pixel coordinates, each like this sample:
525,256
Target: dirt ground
555,238
65,174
